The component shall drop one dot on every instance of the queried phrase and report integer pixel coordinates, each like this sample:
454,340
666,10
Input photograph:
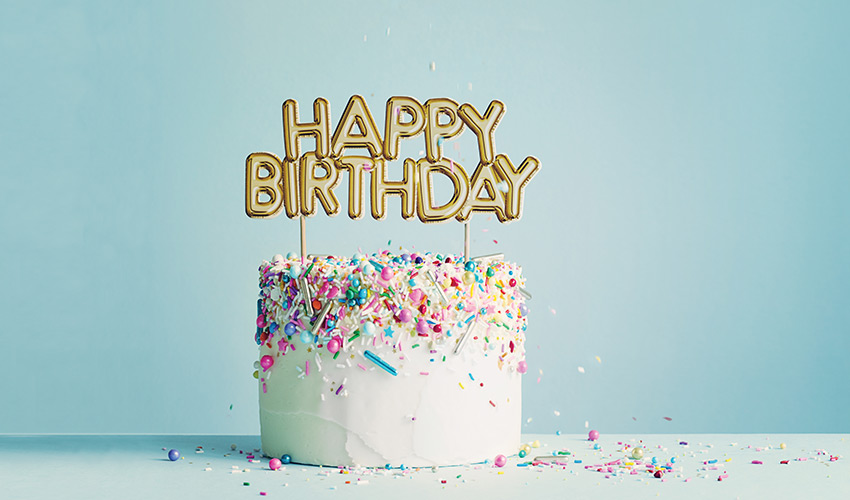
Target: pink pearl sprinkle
274,464
522,367
386,273
500,460
266,362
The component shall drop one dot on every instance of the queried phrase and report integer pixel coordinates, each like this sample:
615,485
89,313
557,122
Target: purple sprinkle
338,389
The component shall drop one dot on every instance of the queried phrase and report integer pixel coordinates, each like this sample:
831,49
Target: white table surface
136,466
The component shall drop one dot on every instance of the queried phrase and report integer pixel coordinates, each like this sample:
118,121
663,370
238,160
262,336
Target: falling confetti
598,360
557,413
388,31
364,38
433,66
586,424
231,407
469,85
668,419
496,241
553,311
581,369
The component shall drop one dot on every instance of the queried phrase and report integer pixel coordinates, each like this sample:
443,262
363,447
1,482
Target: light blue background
689,226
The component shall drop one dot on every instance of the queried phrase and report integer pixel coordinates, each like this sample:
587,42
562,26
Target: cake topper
302,180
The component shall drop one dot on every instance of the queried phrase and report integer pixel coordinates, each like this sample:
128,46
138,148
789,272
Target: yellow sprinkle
728,459
501,472
598,359
461,385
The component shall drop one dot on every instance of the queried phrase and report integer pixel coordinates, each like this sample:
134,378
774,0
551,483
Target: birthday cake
390,360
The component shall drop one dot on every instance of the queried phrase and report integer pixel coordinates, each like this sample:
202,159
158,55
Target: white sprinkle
388,31
469,85
207,468
322,394
433,66
586,424
557,413
581,369
528,420
364,38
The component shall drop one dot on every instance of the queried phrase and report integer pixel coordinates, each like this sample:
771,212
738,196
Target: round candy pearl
333,346
512,282
658,474
291,255
535,444
289,329
277,258
286,459
593,435
416,295
355,283
522,453
522,367
783,445
490,272
367,268
274,464
306,336
637,453
405,315
500,461
419,260
525,448
295,271
468,278
422,327
369,328
523,309
173,454
470,265
386,273
266,362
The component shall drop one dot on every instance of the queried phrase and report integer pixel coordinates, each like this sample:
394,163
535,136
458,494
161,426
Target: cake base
432,413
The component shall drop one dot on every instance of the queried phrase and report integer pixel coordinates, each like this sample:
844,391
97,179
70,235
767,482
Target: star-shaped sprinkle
388,331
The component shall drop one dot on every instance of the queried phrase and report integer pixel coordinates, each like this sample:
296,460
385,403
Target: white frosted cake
384,360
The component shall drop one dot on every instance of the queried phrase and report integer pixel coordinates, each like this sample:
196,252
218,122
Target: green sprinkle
414,346
564,453
444,358
310,268
356,334
486,340
337,353
246,483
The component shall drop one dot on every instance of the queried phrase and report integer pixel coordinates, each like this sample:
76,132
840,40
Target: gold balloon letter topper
296,182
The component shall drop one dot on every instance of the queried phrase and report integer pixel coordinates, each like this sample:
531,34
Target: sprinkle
339,389
423,373
471,378
581,369
461,385
380,362
492,403
361,367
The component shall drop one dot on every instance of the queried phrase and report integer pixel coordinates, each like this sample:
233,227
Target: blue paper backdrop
690,225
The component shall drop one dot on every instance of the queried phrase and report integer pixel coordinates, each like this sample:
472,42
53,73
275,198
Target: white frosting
411,419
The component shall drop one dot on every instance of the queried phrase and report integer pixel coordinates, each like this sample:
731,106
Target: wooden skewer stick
303,239
466,241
